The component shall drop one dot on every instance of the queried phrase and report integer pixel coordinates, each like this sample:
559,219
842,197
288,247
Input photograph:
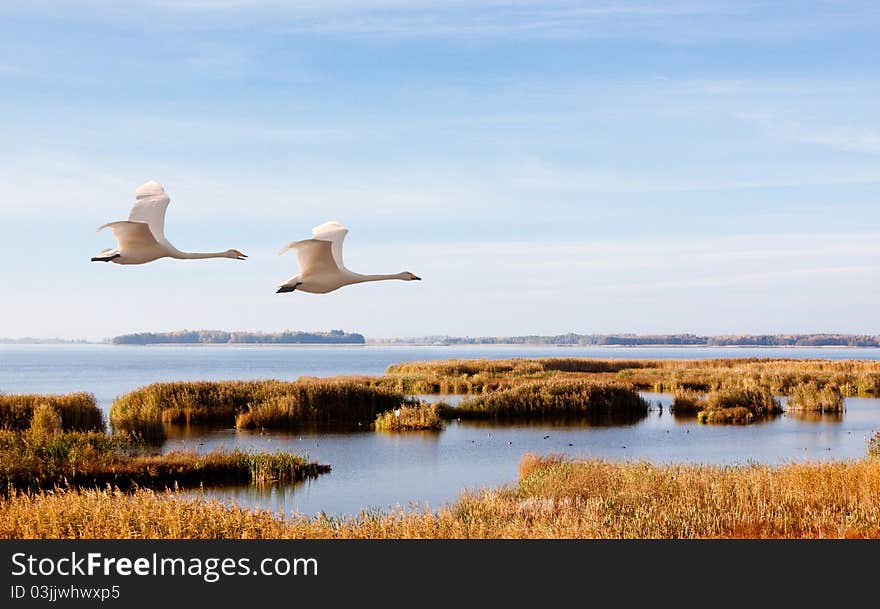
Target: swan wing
313,256
132,235
334,232
151,202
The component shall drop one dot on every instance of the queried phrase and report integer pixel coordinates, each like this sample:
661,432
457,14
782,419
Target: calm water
108,371
378,470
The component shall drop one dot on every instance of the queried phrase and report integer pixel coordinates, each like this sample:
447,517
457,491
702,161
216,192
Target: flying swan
141,238
320,263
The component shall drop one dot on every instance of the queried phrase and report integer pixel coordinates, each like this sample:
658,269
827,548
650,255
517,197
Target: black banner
407,573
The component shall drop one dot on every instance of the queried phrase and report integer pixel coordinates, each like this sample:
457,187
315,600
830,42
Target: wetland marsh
379,471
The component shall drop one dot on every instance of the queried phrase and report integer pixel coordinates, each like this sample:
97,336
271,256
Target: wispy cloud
408,18
849,138
65,188
551,178
682,21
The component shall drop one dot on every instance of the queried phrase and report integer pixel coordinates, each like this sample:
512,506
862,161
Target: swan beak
414,278
241,256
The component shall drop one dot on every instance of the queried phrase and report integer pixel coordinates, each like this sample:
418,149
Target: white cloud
403,17
677,21
58,188
850,138
541,176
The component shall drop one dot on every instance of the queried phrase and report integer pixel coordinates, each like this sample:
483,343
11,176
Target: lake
380,470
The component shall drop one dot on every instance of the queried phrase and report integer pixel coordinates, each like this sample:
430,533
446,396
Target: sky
545,166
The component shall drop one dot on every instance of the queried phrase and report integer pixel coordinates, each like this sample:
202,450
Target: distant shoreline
569,340
462,345
640,346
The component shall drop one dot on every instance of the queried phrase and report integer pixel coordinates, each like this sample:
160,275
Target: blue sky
679,166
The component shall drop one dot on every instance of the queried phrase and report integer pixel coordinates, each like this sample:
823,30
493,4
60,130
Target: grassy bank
554,498
811,397
423,417
551,398
688,403
252,404
45,456
781,376
736,405
739,406
78,411
92,459
484,375
502,388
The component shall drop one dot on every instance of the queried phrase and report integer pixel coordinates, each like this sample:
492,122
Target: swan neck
365,278
198,255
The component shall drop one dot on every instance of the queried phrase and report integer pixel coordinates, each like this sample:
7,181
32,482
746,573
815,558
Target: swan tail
105,258
287,287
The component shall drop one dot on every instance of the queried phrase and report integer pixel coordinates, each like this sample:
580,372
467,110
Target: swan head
407,276
235,255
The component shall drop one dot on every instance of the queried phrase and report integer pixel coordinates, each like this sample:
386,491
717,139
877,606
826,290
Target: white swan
141,238
320,263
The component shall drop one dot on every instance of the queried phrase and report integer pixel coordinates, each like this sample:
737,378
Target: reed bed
421,417
813,398
781,376
220,467
485,375
688,403
741,406
555,498
89,459
252,404
45,456
552,398
92,459
78,411
496,383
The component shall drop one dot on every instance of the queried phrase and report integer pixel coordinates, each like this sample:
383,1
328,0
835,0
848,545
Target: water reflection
450,399
199,431
382,470
600,419
811,416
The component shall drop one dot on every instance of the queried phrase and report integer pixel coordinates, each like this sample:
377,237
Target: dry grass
551,398
410,418
688,403
484,375
89,459
215,468
555,498
35,459
279,404
810,397
250,404
78,411
45,456
739,406
852,377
